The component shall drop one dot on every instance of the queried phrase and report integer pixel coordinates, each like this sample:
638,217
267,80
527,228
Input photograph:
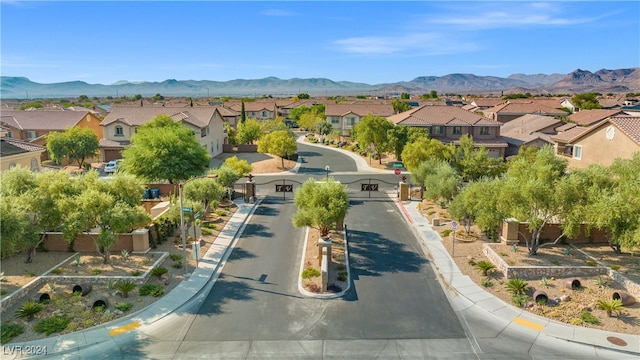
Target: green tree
372,132
478,203
529,192
226,176
249,131
324,128
320,205
207,191
400,106
231,133
473,163
75,143
304,96
586,101
310,120
242,167
440,180
273,125
165,150
279,143
243,114
421,149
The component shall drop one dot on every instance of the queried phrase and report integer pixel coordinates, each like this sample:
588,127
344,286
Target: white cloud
278,12
412,44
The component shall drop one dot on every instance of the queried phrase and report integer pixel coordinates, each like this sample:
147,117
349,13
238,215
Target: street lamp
182,227
326,168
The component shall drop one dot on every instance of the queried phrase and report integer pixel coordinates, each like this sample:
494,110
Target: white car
112,166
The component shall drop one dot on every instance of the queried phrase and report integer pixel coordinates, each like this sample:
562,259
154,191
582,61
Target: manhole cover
617,341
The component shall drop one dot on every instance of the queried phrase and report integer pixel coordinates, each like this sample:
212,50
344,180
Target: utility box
403,191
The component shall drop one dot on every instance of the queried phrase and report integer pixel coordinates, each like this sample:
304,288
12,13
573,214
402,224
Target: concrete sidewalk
471,295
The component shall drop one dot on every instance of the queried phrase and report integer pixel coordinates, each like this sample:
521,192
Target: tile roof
138,115
590,117
527,128
53,120
530,107
570,134
629,125
427,115
106,143
359,109
487,102
566,127
9,146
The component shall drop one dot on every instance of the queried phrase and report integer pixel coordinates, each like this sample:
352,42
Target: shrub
125,287
517,286
615,267
446,233
555,262
545,282
151,289
58,271
54,324
159,271
221,213
125,255
588,317
9,331
206,232
314,288
310,272
486,282
471,262
485,267
175,257
610,306
96,272
602,282
592,263
28,310
136,273
124,306
520,299
342,276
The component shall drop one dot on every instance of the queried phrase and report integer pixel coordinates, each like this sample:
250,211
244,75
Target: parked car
112,166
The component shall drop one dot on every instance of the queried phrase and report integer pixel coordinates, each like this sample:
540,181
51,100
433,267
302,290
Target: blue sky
101,42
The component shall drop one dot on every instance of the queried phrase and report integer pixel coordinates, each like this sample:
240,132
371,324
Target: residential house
259,109
614,137
590,117
529,130
14,152
285,108
122,122
344,116
511,110
448,123
33,126
480,104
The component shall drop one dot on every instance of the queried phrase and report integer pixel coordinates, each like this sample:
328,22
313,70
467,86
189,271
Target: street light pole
327,169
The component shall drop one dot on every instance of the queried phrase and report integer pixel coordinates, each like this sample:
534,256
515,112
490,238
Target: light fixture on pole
327,170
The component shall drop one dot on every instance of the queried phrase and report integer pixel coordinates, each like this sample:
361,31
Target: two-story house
33,126
344,116
206,122
614,137
448,123
591,117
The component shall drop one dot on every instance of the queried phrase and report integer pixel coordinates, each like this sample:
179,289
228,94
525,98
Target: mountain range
579,81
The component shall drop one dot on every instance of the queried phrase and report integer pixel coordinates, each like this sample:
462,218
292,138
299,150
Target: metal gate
363,188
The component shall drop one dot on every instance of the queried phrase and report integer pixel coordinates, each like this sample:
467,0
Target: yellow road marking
528,324
125,328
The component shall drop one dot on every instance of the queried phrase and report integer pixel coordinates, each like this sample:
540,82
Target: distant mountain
578,81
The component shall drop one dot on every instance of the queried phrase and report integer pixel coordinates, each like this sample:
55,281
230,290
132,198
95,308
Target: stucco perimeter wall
513,231
136,241
538,272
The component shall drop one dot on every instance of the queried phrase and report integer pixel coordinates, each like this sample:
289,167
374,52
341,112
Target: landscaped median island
571,284
338,272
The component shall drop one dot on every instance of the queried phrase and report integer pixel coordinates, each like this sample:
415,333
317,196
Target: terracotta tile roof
487,102
106,143
53,120
555,103
568,135
629,125
138,115
259,106
590,117
530,107
527,128
9,146
359,109
566,127
226,112
427,115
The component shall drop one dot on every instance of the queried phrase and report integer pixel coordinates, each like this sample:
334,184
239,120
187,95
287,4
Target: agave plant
485,267
517,286
28,310
610,306
125,287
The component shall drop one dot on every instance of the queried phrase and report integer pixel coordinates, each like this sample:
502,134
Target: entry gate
363,188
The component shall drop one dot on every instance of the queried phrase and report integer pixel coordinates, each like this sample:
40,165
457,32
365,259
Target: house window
34,164
577,152
352,121
437,130
264,114
32,134
484,130
335,120
457,130
9,134
119,131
